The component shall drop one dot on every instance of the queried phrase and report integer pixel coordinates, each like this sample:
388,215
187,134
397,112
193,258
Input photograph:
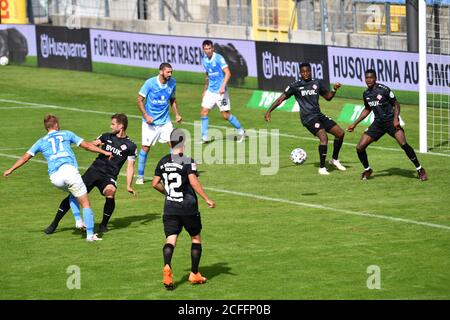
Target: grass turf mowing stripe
39,105
296,203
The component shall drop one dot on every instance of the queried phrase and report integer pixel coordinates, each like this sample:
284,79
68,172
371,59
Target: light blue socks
142,161
205,128
88,217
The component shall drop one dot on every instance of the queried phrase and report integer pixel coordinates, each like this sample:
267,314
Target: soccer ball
298,156
4,61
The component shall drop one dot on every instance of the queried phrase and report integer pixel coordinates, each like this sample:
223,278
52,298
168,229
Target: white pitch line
316,206
296,203
211,126
5,149
17,157
23,107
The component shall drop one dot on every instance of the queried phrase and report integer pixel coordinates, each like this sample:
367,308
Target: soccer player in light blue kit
216,92
63,167
157,92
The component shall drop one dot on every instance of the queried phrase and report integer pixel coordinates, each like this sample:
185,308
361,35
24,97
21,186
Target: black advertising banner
63,48
279,63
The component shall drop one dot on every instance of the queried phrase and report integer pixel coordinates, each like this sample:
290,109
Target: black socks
108,209
167,253
322,154
196,253
362,155
411,154
337,144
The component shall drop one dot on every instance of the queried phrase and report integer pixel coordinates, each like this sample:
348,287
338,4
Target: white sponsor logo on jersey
308,93
113,150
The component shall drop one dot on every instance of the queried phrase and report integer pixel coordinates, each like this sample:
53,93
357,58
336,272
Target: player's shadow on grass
209,272
295,165
407,173
124,222
117,223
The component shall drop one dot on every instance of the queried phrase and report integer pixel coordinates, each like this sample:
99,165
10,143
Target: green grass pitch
293,235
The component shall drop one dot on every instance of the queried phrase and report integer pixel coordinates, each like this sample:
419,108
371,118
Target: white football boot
337,164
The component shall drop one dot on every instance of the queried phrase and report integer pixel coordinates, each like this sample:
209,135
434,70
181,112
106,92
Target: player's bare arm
130,174
330,94
396,114
274,105
97,142
195,183
20,162
157,185
140,102
173,104
227,77
361,117
90,147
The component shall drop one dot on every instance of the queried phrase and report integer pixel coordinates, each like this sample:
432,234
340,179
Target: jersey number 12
171,182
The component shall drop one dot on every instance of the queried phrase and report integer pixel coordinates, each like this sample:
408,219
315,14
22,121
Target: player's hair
207,43
164,65
177,138
371,71
122,119
305,64
50,121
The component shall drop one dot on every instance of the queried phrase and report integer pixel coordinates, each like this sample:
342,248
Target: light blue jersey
55,147
157,98
214,68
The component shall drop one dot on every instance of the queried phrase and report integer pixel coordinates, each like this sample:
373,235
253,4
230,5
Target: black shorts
319,122
93,178
173,224
378,129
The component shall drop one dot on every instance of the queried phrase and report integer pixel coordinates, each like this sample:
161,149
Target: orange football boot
196,278
167,277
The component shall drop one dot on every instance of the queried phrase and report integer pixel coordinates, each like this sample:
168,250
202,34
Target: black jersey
380,99
307,95
122,149
174,171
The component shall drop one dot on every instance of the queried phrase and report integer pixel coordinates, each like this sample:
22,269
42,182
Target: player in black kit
306,91
176,177
103,172
381,100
